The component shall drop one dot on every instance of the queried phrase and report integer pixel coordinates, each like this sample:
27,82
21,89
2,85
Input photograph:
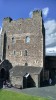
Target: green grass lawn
9,95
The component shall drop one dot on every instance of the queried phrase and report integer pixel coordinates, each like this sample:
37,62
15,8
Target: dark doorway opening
28,82
7,75
3,73
4,77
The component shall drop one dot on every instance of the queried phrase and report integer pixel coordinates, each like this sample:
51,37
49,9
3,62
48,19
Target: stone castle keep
23,51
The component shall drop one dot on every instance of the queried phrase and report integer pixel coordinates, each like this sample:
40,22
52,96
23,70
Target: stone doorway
28,82
4,77
2,74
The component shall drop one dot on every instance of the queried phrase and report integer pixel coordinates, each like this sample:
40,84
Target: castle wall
17,81
19,50
36,78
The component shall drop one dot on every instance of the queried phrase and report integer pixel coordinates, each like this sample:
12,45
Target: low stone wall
17,81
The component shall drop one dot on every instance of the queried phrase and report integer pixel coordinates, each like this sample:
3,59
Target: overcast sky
23,9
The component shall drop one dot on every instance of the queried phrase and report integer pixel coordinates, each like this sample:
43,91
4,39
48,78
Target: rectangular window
25,52
27,39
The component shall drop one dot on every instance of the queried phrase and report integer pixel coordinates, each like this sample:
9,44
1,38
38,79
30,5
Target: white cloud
50,37
31,14
45,11
0,30
50,28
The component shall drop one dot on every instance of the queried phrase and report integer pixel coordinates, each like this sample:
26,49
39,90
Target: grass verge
9,95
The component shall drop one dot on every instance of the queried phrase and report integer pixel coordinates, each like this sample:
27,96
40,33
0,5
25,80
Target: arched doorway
3,74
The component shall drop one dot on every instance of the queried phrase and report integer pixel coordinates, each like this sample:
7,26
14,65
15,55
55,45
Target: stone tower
23,40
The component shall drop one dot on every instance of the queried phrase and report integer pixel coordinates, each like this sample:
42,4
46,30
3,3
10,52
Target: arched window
27,39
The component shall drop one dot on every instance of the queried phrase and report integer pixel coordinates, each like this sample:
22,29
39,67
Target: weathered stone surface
16,33
17,74
23,43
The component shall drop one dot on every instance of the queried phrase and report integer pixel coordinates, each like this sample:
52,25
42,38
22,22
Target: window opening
25,52
12,39
27,39
26,64
8,46
14,52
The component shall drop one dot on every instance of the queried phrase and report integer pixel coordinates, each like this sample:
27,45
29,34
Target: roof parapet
37,12
9,19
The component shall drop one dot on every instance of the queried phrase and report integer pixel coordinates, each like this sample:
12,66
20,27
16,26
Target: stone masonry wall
18,51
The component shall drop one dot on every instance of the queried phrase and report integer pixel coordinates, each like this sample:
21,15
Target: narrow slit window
8,46
25,52
12,39
14,52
